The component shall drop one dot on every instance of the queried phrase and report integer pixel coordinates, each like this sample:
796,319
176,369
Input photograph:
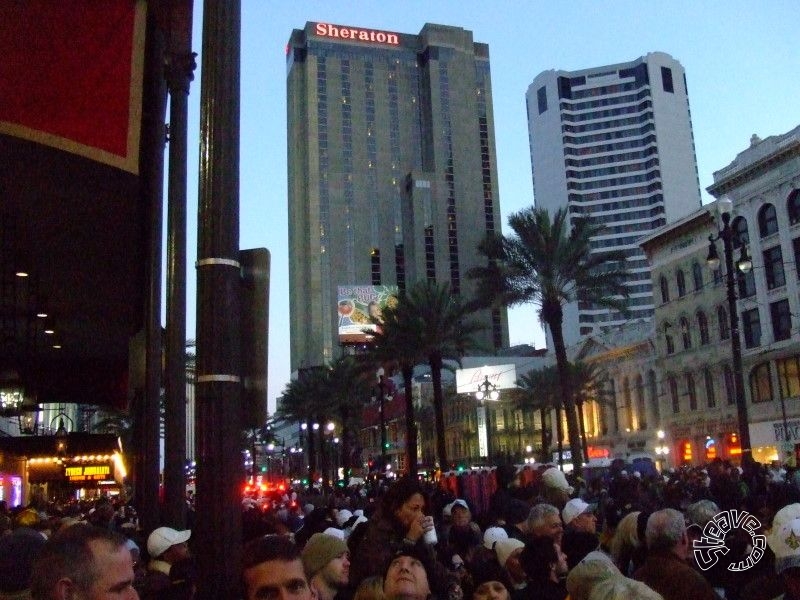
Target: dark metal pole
736,348
381,385
179,73
220,475
146,465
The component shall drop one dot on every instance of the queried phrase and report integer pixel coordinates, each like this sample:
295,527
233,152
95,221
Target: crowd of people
718,531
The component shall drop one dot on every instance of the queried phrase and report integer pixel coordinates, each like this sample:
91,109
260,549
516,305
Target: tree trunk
345,416
559,438
545,416
411,422
438,409
553,316
584,441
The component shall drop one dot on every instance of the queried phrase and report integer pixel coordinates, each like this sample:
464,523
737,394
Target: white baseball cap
492,535
574,508
164,538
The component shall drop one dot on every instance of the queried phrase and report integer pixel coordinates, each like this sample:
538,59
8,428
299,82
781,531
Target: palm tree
304,401
549,264
349,380
396,342
443,330
589,384
537,391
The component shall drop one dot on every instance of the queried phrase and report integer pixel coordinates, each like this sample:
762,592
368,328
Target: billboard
356,306
502,376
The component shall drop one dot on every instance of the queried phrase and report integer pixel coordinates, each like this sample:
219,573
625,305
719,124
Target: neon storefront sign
341,32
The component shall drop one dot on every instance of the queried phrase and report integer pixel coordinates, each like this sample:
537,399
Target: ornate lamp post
486,390
744,264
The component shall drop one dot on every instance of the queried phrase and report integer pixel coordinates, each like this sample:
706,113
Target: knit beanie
504,549
554,478
320,549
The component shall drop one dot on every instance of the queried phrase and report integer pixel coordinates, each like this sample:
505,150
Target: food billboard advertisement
356,305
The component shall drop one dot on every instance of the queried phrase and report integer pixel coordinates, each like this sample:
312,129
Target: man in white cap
579,516
166,546
580,530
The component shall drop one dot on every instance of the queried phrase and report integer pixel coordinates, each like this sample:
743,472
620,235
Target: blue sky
741,61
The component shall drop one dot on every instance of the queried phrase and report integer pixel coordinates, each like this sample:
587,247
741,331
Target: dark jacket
673,578
381,541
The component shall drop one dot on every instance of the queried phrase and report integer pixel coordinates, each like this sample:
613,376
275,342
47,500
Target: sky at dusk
741,60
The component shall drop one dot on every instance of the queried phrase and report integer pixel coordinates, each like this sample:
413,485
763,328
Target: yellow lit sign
88,472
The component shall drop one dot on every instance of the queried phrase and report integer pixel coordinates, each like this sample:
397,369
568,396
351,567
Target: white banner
504,377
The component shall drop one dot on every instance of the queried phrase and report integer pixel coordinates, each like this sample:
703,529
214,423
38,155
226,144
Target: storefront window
789,376
760,384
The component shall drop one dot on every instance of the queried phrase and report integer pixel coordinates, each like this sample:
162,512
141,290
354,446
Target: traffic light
263,469
387,445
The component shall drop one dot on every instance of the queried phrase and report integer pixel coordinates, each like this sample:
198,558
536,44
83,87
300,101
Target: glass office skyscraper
392,170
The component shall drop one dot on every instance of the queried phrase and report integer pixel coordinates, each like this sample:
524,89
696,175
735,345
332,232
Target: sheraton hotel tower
392,170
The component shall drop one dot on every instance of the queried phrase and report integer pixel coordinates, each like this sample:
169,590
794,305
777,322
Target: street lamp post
486,390
726,234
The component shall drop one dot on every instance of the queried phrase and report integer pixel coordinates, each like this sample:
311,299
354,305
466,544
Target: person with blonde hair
619,587
627,549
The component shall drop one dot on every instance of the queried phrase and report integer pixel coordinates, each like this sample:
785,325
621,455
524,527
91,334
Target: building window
789,376
708,379
697,276
702,325
641,409
681,283
747,284
773,267
796,248
730,389
652,385
665,288
724,323
400,266
767,220
673,395
541,98
626,397
781,320
740,229
751,326
760,383
666,80
375,264
691,391
668,338
612,403
686,335
793,207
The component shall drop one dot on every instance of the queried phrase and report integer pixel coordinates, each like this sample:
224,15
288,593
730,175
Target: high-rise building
614,144
392,171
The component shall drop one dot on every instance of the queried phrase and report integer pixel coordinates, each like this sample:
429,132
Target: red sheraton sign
354,33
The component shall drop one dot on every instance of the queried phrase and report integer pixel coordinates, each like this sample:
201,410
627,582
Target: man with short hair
406,579
544,520
326,561
272,569
666,569
83,562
